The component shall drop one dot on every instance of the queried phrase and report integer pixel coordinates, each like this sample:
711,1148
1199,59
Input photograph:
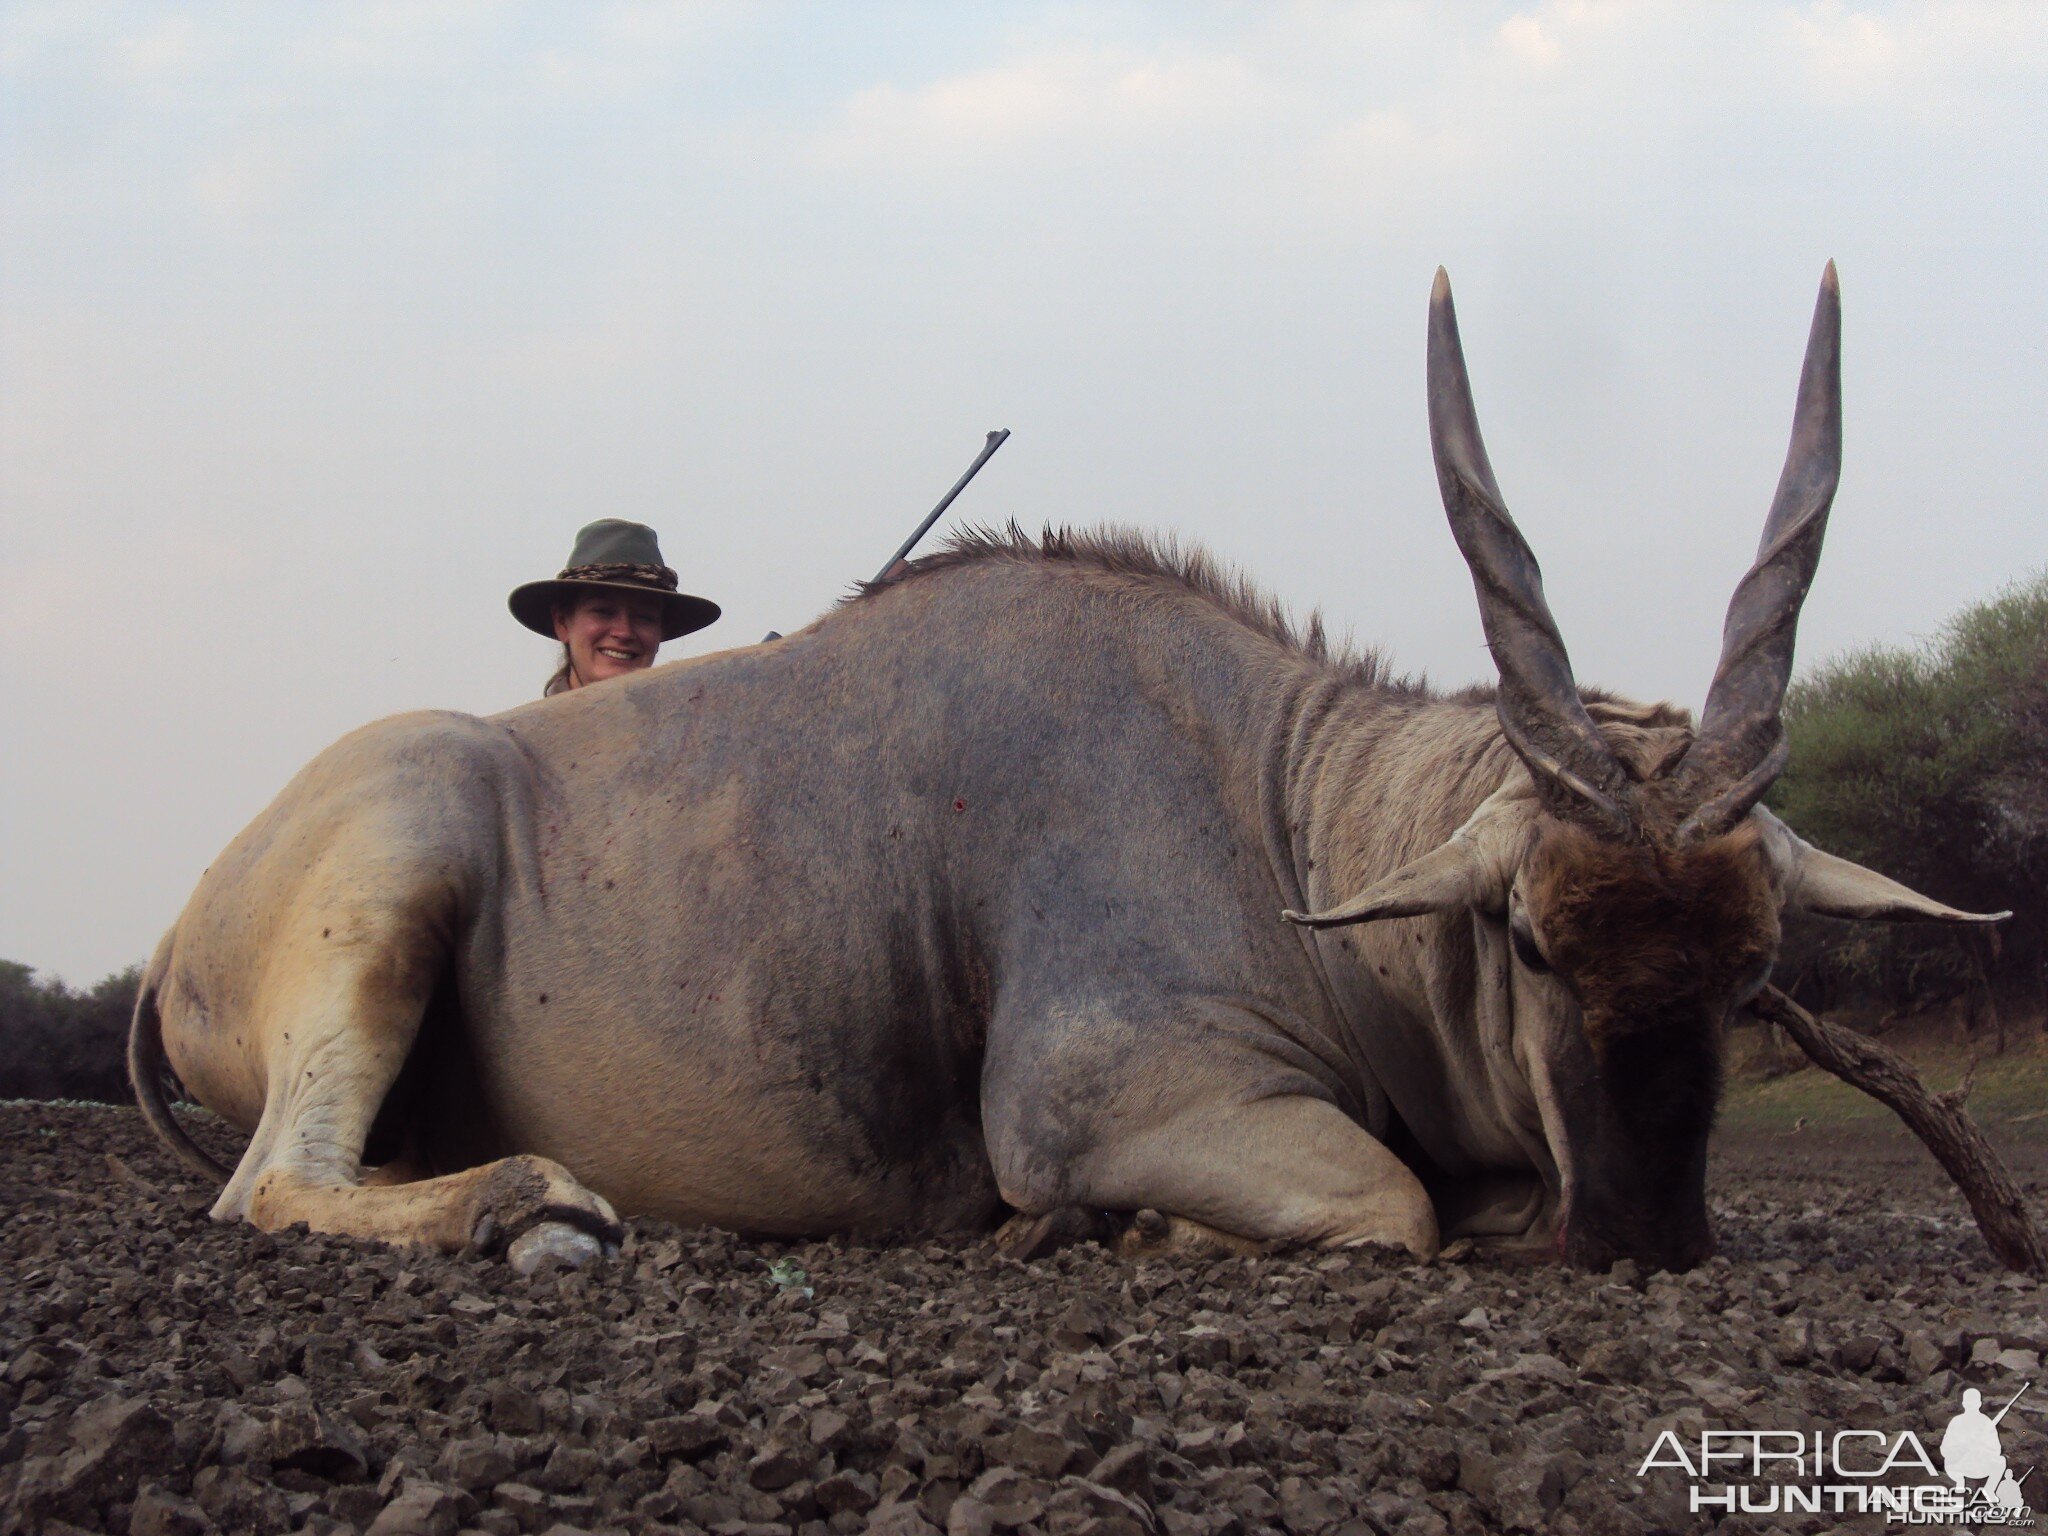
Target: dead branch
1937,1119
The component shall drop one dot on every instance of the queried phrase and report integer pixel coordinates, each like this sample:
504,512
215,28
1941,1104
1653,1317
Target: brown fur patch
1650,934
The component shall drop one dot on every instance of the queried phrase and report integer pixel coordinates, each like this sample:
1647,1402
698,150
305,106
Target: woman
611,606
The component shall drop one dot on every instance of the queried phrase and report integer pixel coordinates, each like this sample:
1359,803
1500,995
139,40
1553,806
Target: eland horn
1540,710
1741,743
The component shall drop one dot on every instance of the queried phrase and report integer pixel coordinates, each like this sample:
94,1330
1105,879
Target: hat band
640,575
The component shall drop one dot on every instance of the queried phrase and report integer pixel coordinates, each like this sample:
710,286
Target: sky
322,326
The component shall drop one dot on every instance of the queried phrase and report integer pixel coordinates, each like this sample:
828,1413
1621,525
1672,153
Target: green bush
59,1044
1930,764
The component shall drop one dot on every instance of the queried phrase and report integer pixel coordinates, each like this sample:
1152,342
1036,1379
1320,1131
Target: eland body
967,901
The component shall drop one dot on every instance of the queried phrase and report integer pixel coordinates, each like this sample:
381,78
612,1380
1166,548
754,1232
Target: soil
160,1373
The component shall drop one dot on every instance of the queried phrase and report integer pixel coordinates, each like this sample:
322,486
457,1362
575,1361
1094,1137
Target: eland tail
146,1063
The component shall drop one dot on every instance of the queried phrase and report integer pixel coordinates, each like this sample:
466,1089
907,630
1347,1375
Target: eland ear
1833,887
1446,877
1828,886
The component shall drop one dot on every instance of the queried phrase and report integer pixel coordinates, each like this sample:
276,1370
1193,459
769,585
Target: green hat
612,555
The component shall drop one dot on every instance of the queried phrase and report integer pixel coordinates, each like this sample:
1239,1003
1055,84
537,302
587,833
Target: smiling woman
611,606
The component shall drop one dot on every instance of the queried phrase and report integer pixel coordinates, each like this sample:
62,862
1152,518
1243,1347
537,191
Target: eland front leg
1276,1171
1224,1176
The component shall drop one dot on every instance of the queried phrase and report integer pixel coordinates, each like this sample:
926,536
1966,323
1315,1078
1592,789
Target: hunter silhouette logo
1970,1451
1855,1471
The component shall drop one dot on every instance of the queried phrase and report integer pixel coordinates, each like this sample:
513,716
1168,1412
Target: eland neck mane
1173,568
1345,705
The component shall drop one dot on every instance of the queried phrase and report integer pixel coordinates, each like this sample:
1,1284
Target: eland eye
1525,949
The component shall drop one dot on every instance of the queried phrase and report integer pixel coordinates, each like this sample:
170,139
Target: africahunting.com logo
1855,1471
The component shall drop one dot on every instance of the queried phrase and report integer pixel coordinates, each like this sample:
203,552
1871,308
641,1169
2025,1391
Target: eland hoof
552,1245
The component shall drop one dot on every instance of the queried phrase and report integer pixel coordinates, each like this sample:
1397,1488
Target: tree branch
1939,1120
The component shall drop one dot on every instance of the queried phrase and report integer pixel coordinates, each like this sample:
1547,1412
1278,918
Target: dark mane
1186,568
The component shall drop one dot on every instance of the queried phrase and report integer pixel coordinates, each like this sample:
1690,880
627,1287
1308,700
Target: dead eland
967,901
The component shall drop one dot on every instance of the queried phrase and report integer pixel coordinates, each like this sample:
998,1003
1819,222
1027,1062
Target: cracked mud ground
161,1374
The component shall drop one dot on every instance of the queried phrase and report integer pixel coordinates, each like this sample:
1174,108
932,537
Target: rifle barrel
2014,1398
995,441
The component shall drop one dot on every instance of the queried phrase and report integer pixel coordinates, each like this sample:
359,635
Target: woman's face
609,634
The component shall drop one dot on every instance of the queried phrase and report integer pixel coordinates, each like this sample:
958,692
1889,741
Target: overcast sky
322,326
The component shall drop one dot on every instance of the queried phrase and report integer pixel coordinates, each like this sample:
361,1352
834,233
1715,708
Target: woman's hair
559,683
562,681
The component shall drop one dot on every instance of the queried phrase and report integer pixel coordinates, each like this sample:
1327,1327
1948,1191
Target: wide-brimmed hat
612,555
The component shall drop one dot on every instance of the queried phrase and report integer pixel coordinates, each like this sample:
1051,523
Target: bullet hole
325,931
959,805
543,997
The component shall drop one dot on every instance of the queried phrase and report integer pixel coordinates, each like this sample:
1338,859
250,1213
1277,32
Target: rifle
996,439
2008,1407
